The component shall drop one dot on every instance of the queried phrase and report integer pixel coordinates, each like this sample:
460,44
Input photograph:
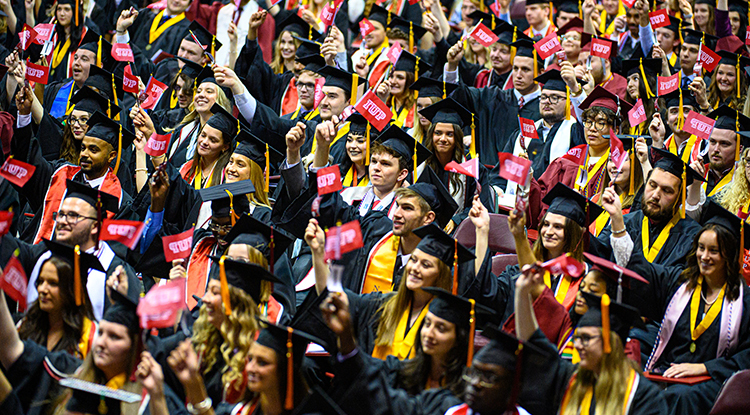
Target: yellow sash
379,272
198,179
374,56
603,159
723,182
402,347
59,54
400,118
349,179
117,382
343,131
673,59
713,311
688,148
651,253
86,333
157,30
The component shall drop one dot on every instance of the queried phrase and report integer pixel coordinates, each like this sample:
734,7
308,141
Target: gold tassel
684,191
414,159
455,267
473,148
551,10
605,324
78,4
535,65
513,40
632,167
232,215
472,328
580,10
289,402
737,79
649,94
78,286
679,31
268,169
567,103
416,78
411,37
119,149
98,52
367,148
224,287
681,113
355,84
444,94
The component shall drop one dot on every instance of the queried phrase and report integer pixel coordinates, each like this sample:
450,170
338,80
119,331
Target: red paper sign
528,129
6,220
161,306
326,15
629,3
659,18
154,89
747,36
365,28
127,232
576,154
37,73
319,94
601,48
159,5
699,125
374,110
495,7
43,32
17,172
564,264
121,52
708,58
27,36
157,145
547,46
467,168
394,52
343,239
616,150
14,282
177,246
329,180
668,84
129,81
515,169
483,35
637,114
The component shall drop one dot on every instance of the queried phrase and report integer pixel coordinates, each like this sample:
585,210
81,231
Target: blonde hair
192,115
277,64
207,340
737,193
610,386
238,331
714,95
418,132
471,57
259,196
256,257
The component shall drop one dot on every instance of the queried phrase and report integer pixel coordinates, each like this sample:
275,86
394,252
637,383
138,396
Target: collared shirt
528,97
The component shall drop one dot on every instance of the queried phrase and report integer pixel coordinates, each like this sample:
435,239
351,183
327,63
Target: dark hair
76,32
35,325
415,372
729,252
376,148
574,240
70,148
458,153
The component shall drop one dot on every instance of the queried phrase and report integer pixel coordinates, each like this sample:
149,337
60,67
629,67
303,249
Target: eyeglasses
584,339
553,99
569,36
223,229
81,121
71,218
481,378
308,86
601,125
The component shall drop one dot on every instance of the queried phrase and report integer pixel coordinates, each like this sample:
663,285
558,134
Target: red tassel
289,402
455,267
472,328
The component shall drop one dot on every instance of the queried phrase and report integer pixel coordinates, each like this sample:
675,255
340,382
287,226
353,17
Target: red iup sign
177,246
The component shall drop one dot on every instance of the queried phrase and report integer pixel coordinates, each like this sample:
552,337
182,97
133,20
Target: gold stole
343,131
372,58
653,251
591,173
688,148
673,59
59,54
723,182
402,347
87,336
713,312
399,118
157,30
379,272
350,179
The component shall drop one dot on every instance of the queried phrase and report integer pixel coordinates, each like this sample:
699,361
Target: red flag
659,18
708,58
495,7
576,154
628,3
617,150
747,36
528,128
394,52
27,36
37,73
177,246
365,28
6,220
329,13
515,169
601,48
547,46
127,232
467,168
43,32
157,144
668,84
483,35
154,89
343,239
129,81
329,180
637,114
17,172
161,306
121,52
564,264
159,5
319,94
374,110
699,125
14,282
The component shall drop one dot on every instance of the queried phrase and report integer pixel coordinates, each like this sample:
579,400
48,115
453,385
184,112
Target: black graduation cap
92,196
680,97
729,119
403,144
563,200
433,191
228,198
410,63
339,78
484,17
380,15
649,66
86,262
93,398
574,25
295,24
104,128
123,311
709,2
739,6
524,47
505,32
675,25
601,97
189,68
729,58
252,232
695,37
448,111
621,316
205,75
620,276
568,6
358,125
628,140
530,2
429,87
313,63
439,244
306,47
103,82
503,350
88,100
673,164
224,121
245,276
716,214
92,41
207,40
412,30
552,80
454,308
254,148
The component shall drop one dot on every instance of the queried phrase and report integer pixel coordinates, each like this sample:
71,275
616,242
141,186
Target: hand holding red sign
319,94
27,36
121,52
161,306
343,239
617,150
528,128
365,28
6,220
515,169
601,48
668,84
699,125
127,232
659,18
17,172
329,180
177,246
328,13
374,110
564,264
154,89
483,35
576,154
468,168
547,46
394,52
13,282
129,81
637,114
157,145
37,73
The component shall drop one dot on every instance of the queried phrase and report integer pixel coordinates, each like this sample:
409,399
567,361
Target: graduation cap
290,343
223,121
439,244
412,30
104,128
189,68
675,25
739,6
642,66
270,241
81,262
553,81
306,48
574,25
296,25
404,145
105,83
432,190
228,200
673,164
313,63
695,37
410,63
736,60
93,398
610,316
543,3
569,6
709,2
123,311
341,79
258,151
730,119
93,42
92,196
75,5
525,48
451,112
205,75
88,100
488,19
717,215
681,97
429,87
507,33
380,15
602,98
564,201
206,39
243,275
614,273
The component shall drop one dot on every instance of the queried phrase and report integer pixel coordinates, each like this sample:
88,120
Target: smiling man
158,31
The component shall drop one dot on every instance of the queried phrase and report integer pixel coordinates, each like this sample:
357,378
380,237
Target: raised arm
517,226
316,239
526,323
12,345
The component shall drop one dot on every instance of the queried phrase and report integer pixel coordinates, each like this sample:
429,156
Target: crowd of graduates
374,207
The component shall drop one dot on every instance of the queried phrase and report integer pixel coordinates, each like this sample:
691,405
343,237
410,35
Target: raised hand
315,237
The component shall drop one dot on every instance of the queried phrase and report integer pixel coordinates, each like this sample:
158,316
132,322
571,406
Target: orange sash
380,264
198,269
290,99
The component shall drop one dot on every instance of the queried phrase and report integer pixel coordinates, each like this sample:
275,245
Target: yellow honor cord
737,79
224,287
472,328
367,148
99,52
605,323
535,64
567,103
649,94
231,206
78,286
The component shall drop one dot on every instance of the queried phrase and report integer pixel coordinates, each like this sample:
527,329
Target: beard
656,214
80,237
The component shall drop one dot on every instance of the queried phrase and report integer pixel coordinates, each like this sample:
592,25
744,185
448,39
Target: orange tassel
605,323
289,402
224,287
119,149
455,267
268,169
472,328
77,277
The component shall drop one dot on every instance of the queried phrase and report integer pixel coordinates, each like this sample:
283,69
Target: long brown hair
458,155
573,240
217,173
70,148
277,64
714,95
728,247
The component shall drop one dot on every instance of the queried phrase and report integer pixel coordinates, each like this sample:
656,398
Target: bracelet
620,232
200,407
141,169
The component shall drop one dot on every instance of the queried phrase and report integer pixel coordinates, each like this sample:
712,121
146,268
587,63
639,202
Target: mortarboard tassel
473,148
737,72
78,4
271,246
232,216
367,148
632,176
535,64
224,286
411,37
679,32
681,113
649,94
355,84
98,52
551,12
739,139
605,324
414,159
580,10
309,33
267,183
289,402
114,94
78,286
472,328
416,78
119,148
567,102
684,191
455,267
513,48
444,94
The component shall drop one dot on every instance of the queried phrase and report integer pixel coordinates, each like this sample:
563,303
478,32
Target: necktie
685,81
521,101
540,132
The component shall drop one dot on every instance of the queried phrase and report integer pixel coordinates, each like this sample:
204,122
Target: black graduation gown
539,150
169,41
485,195
495,117
545,385
168,119
51,91
180,154
259,79
272,128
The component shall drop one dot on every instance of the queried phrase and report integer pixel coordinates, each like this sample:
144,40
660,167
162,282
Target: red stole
290,98
198,268
185,171
377,72
553,319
